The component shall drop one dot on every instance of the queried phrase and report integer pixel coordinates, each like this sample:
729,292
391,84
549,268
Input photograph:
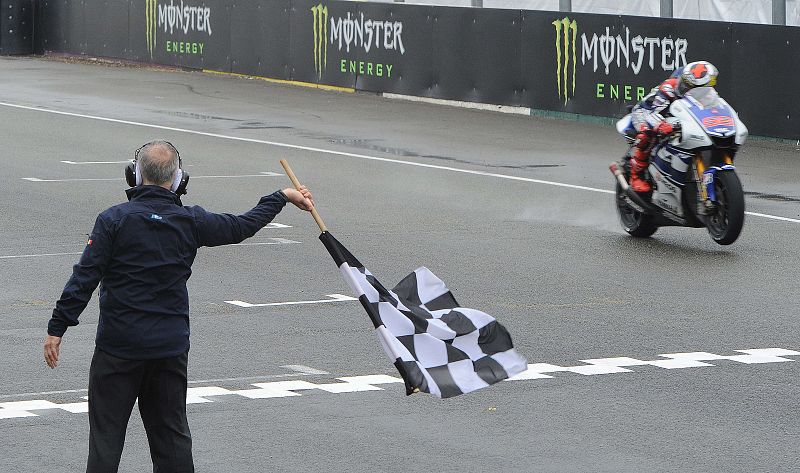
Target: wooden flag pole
297,186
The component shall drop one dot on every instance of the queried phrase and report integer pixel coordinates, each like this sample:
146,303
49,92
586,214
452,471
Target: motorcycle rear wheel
634,222
725,224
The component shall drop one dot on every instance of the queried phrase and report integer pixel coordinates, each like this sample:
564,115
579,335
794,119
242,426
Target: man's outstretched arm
225,229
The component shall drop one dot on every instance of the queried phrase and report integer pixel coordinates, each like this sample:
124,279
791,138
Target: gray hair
158,161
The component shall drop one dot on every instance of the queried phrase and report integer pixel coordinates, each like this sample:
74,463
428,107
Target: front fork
707,196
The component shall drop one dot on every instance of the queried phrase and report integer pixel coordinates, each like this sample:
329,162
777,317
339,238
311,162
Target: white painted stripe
261,174
599,369
338,388
34,404
75,407
370,379
344,153
529,374
773,217
618,361
277,225
36,179
197,395
333,298
304,369
678,363
39,255
96,162
272,241
276,389
461,104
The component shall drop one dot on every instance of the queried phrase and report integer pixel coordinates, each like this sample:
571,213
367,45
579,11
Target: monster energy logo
320,17
151,18
570,30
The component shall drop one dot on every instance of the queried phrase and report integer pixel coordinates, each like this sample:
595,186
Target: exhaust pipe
632,195
616,171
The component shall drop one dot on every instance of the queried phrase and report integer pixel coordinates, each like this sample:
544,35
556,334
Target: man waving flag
437,346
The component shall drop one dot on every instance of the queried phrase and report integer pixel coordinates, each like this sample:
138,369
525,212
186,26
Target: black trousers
160,386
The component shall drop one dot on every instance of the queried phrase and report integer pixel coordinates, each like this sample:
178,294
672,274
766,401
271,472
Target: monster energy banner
598,64
189,33
577,63
329,37
429,51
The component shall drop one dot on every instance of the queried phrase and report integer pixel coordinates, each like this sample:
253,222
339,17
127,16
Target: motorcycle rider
648,119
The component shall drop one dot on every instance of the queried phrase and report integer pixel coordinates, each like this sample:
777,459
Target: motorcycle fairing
672,162
718,120
667,194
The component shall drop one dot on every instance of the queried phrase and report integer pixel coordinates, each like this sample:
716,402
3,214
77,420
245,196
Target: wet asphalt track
548,261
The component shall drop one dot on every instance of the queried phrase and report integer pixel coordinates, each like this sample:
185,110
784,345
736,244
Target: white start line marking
353,384
344,153
333,298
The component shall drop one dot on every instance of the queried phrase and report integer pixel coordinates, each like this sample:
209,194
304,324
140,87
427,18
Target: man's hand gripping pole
297,186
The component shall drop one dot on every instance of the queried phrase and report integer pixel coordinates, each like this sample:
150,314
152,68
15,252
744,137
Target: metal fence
776,12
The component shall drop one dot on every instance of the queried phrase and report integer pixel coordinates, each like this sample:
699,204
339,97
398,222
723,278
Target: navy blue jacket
142,252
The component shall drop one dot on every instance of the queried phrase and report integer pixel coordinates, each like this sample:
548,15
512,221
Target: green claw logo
151,18
567,26
320,18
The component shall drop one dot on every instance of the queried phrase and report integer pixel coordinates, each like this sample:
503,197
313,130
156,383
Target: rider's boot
639,160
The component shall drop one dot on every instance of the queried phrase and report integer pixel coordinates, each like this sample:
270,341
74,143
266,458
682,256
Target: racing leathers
648,120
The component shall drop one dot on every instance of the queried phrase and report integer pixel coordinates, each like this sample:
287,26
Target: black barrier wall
575,63
16,26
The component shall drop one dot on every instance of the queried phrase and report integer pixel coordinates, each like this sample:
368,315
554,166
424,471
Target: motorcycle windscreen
714,115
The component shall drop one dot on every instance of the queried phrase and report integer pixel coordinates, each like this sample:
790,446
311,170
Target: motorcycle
691,171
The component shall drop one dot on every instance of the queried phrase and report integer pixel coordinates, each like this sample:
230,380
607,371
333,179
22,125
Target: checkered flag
437,346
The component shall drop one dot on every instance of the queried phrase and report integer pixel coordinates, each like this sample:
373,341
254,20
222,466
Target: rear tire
634,222
726,223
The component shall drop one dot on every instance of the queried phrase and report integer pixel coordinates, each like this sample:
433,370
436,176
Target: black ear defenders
133,172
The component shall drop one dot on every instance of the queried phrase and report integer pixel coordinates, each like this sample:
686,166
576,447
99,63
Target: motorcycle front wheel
634,222
725,224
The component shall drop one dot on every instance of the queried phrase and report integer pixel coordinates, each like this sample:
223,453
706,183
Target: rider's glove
664,129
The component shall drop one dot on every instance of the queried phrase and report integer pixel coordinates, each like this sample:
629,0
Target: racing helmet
697,74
